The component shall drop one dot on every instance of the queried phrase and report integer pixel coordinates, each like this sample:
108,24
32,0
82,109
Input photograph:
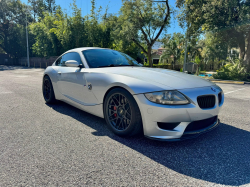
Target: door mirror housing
72,63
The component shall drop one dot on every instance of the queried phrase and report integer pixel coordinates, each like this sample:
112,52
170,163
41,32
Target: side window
70,56
58,62
76,57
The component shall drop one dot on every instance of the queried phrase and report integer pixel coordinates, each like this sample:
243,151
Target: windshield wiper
112,65
126,65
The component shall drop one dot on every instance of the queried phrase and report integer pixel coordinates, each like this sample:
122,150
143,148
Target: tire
48,91
122,113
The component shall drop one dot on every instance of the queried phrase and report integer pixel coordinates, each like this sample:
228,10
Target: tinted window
69,56
58,62
106,57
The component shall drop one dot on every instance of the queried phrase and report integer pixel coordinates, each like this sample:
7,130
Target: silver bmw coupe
162,104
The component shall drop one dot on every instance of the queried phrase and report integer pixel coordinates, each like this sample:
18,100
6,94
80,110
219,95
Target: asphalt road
59,145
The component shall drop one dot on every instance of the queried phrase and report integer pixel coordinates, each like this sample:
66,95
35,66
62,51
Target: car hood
174,79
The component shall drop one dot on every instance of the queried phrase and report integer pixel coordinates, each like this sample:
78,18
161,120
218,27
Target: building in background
156,56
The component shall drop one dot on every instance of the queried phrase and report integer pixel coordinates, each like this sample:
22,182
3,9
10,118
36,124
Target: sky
114,7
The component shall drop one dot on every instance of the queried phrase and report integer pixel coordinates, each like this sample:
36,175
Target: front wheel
122,113
48,92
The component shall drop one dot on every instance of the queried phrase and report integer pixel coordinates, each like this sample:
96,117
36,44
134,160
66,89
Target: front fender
51,71
102,82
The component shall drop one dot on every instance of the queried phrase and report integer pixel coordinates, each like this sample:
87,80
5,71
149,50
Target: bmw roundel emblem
213,89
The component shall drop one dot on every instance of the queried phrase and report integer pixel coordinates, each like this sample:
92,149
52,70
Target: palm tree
173,47
194,49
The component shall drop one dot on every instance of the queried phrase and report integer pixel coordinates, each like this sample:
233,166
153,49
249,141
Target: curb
229,82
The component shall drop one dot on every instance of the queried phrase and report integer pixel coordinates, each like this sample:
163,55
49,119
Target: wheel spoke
126,118
111,114
118,112
117,101
123,126
112,100
113,119
120,122
126,105
126,112
122,100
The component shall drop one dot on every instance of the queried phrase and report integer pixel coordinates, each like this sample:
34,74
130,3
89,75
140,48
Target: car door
72,83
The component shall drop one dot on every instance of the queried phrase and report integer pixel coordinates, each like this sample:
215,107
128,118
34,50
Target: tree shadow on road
220,156
5,68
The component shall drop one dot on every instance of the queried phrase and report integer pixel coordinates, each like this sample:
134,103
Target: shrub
233,71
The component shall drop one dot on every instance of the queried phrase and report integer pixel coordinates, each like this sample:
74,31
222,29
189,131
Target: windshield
97,58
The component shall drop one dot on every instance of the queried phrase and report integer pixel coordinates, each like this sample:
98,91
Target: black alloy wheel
119,112
122,113
48,92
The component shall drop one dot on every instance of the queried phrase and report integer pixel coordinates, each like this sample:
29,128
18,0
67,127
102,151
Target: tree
98,28
173,46
143,22
37,7
197,60
229,18
57,32
45,44
120,41
12,27
214,48
92,26
50,5
193,48
76,28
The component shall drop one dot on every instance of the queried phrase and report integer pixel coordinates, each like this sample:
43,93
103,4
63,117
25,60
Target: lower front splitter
190,135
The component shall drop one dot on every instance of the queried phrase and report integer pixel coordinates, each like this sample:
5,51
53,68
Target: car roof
80,49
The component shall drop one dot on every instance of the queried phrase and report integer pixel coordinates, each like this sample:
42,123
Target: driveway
59,145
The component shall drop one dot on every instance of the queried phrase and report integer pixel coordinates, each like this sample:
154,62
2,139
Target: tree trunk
149,57
242,45
247,53
174,63
197,72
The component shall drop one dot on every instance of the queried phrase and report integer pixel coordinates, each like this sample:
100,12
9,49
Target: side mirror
72,63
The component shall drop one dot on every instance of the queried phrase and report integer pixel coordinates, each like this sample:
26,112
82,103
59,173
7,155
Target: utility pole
28,58
185,57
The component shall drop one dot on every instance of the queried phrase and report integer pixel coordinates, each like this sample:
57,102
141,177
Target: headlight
167,98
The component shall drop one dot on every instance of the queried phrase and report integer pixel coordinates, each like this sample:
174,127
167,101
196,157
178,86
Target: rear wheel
122,113
48,92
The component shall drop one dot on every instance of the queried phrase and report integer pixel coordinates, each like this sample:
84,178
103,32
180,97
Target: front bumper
152,113
191,135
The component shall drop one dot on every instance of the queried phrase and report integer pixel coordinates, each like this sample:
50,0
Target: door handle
59,72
